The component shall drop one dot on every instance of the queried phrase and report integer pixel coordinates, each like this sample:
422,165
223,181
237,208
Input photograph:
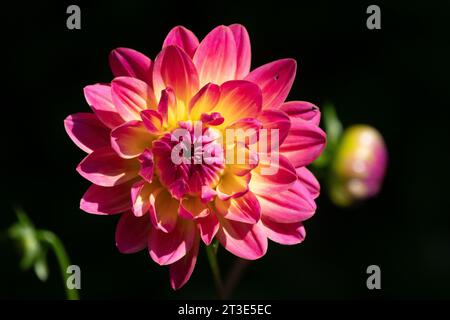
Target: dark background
395,79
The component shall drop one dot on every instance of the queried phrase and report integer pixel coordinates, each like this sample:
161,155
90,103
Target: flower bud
359,165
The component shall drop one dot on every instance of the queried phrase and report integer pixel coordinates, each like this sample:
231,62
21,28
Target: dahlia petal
275,80
309,181
131,139
140,198
207,194
167,248
99,98
147,165
243,209
284,233
164,213
167,106
247,241
274,120
86,131
293,205
175,69
193,208
152,120
105,168
232,186
132,233
125,62
238,99
243,50
131,96
240,159
304,143
302,110
271,177
208,227
216,56
106,200
245,130
204,101
181,271
183,38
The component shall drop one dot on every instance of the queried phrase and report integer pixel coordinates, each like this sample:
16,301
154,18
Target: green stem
211,252
63,260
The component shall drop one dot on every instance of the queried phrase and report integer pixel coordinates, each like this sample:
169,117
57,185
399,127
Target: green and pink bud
359,165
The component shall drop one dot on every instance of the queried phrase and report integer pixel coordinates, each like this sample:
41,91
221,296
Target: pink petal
275,80
204,101
216,56
232,186
106,200
182,38
181,271
302,110
152,120
105,168
175,69
304,143
309,181
86,131
140,198
284,233
244,240
271,177
132,233
208,227
147,165
243,209
243,50
99,98
167,248
274,120
293,205
131,96
164,213
238,99
126,62
131,139
167,106
193,208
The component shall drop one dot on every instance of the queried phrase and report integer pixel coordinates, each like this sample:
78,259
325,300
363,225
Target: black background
395,79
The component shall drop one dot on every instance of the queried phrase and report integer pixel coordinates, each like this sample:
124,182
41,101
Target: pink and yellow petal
86,131
131,139
247,241
99,98
105,168
131,96
167,248
175,69
216,57
242,209
183,38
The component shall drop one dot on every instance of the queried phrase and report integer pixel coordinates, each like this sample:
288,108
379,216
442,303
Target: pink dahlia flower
170,206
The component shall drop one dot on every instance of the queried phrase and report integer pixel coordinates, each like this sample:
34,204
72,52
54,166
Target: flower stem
211,252
62,257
